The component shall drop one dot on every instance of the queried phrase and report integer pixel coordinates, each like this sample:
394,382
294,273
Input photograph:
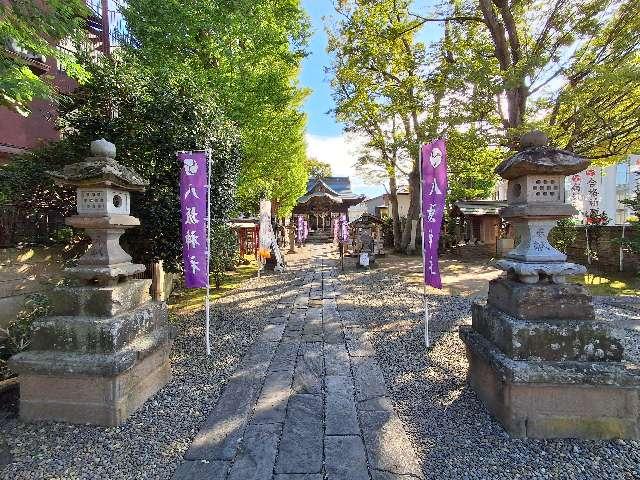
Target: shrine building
326,198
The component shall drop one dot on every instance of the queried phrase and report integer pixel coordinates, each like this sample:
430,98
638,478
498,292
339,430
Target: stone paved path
308,401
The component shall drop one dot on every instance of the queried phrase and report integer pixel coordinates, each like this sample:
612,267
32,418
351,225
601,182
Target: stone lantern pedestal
538,358
106,347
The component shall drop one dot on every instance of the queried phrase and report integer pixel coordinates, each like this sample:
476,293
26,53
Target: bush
633,243
18,333
224,252
149,119
564,234
387,232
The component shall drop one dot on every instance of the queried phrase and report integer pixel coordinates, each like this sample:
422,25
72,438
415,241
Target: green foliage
471,164
380,90
32,28
384,83
568,67
564,234
18,333
155,118
246,55
318,169
387,232
633,242
224,252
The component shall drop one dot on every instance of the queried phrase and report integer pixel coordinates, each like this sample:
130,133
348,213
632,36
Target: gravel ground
452,433
450,430
151,443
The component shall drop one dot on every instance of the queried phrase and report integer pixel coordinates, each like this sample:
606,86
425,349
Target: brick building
19,134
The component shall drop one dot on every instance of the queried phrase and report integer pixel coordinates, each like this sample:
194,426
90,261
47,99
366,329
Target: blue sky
313,75
325,138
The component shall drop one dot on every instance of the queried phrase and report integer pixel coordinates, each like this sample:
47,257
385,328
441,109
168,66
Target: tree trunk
414,208
395,214
414,189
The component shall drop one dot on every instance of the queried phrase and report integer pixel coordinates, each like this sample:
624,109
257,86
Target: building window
622,174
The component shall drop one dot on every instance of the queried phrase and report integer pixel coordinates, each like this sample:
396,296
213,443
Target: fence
19,226
604,243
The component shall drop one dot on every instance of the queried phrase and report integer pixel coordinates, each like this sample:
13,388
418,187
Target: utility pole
106,38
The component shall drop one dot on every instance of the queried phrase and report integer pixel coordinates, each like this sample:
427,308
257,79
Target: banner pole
207,302
426,319
424,290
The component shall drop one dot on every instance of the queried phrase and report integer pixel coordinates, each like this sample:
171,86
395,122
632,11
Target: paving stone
257,453
340,408
296,322
259,357
292,335
222,430
333,332
301,443
279,320
382,475
314,312
272,333
336,359
345,458
357,345
368,379
298,476
376,404
302,301
271,406
387,444
285,356
199,470
309,369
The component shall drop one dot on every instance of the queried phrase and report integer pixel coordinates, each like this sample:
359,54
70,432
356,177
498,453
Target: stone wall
606,243
25,271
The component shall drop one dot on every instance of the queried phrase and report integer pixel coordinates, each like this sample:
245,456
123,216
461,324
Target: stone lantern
538,358
536,198
105,349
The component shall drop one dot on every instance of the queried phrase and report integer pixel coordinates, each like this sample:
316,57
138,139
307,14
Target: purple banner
343,229
193,205
300,229
433,174
305,230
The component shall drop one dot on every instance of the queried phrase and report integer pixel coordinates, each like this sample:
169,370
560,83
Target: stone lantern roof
537,158
100,170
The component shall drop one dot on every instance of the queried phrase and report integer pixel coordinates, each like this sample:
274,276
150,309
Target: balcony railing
118,32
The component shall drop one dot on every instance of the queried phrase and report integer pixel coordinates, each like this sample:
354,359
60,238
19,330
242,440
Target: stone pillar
106,347
538,358
292,237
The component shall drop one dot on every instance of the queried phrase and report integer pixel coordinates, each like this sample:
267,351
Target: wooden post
157,282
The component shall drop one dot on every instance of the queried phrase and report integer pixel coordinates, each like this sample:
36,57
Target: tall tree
568,66
30,29
153,116
318,168
247,53
379,78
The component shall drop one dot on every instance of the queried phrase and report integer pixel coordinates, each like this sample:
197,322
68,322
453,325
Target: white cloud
341,152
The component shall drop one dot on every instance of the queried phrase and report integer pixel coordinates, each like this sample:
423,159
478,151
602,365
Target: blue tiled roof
341,185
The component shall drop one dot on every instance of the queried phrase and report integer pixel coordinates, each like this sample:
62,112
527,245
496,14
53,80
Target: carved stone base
548,340
541,301
534,272
95,399
554,399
